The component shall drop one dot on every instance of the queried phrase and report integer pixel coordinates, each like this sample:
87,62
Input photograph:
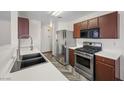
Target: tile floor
67,70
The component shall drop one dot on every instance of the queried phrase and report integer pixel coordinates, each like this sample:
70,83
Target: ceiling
44,15
72,15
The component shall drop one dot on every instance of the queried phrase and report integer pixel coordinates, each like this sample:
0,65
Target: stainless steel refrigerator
63,42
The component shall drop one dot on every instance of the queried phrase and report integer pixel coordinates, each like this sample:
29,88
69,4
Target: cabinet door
23,27
71,57
108,25
104,72
76,33
93,23
84,25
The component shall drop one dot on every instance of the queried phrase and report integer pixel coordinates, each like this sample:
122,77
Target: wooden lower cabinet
71,57
106,69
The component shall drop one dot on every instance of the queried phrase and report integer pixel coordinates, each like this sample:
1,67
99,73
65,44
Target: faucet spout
31,46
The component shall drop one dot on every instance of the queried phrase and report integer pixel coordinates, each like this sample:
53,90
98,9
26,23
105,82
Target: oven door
84,62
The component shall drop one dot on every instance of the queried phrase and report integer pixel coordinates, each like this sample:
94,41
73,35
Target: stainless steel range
84,59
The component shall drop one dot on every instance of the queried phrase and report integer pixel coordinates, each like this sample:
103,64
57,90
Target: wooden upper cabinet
76,33
93,23
108,25
23,28
84,25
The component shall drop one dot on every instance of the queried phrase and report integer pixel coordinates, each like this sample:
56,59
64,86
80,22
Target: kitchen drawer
105,60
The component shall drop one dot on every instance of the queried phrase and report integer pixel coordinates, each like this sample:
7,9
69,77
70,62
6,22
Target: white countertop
109,54
7,53
75,47
43,72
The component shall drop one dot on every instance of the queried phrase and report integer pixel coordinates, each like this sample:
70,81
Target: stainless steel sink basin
31,59
27,61
30,56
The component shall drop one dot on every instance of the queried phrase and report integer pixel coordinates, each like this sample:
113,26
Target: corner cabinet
107,69
71,57
23,28
108,25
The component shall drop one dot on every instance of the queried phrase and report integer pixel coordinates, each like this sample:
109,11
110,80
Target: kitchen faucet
19,59
31,47
18,50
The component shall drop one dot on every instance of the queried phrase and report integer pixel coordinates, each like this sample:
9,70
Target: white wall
54,37
14,28
64,26
46,39
35,33
5,33
110,44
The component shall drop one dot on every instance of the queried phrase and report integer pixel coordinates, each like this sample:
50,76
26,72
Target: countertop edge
104,54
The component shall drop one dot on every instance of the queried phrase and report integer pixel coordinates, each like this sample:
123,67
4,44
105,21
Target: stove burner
89,49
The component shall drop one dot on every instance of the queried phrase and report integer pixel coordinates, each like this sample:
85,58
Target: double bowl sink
28,61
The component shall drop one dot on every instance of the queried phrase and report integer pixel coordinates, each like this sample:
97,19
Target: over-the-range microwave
90,33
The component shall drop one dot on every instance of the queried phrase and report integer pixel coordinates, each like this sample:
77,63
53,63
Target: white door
46,39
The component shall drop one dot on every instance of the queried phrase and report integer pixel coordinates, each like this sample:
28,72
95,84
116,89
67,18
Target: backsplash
107,44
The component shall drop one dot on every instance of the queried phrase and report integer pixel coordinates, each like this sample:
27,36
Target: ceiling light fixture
56,13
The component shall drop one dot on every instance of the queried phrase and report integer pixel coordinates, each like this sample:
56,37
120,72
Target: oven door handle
83,56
